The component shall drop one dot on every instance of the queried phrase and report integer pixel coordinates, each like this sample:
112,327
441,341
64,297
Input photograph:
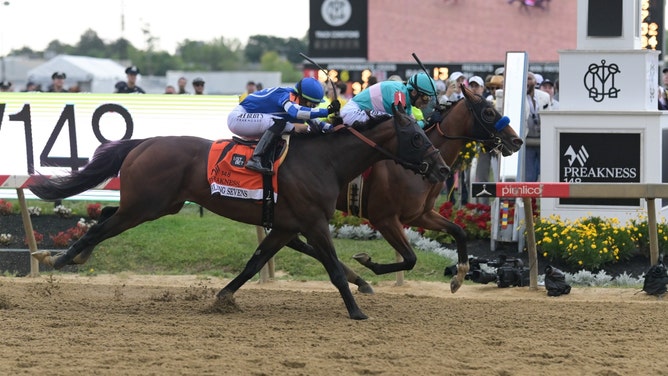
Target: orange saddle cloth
228,175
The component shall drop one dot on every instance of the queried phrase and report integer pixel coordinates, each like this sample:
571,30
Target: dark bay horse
159,174
392,197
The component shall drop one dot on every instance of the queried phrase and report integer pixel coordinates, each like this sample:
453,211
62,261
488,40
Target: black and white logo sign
336,12
581,156
599,158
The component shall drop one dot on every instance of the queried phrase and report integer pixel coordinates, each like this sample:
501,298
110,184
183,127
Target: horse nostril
444,170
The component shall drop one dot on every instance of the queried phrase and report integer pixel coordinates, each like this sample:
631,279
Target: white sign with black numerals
52,133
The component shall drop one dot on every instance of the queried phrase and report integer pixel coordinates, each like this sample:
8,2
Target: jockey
378,98
272,111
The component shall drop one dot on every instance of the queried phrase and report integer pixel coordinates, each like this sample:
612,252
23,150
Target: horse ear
398,110
468,94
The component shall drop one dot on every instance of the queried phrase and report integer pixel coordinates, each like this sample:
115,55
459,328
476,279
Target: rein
422,168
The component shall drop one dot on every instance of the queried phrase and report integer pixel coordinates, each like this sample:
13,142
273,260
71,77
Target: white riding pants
251,125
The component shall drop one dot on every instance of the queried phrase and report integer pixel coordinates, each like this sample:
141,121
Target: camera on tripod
509,271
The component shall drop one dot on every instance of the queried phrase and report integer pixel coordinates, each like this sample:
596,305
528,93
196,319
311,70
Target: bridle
487,123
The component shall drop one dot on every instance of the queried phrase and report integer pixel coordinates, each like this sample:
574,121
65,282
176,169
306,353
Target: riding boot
265,145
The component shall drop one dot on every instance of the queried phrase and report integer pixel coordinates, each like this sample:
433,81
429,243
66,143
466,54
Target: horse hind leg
352,277
271,244
116,222
85,254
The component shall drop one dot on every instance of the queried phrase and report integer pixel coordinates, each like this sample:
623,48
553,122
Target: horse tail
105,164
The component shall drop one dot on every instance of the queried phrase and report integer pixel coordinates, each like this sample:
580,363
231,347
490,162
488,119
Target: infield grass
186,243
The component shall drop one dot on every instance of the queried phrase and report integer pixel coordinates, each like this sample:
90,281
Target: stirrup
254,165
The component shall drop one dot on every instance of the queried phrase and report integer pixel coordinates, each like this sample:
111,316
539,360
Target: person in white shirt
536,101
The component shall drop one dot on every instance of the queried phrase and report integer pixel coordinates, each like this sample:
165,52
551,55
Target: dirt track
157,325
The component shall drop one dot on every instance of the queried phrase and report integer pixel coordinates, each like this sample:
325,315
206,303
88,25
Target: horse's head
482,123
414,150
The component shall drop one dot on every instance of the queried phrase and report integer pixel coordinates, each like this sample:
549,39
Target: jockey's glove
334,107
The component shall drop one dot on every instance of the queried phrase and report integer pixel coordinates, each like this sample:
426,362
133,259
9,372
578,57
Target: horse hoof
80,260
224,304
362,258
44,257
365,289
454,285
358,316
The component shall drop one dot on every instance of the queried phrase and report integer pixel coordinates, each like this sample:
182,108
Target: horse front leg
321,240
432,220
352,277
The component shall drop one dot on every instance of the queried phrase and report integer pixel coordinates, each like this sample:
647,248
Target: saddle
228,176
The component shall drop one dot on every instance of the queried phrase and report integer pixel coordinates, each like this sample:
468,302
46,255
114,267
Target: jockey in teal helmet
378,99
267,113
421,84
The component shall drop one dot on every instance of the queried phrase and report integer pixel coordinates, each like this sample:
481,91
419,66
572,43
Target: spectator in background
332,92
343,89
477,85
495,83
130,87
250,88
536,101
198,86
556,89
539,79
441,86
372,80
170,89
57,83
6,86
663,91
259,86
454,92
32,87
181,83
548,87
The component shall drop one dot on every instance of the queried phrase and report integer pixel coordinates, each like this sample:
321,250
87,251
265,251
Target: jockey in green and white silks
378,99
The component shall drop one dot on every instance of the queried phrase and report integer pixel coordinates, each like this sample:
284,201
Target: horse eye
488,115
417,141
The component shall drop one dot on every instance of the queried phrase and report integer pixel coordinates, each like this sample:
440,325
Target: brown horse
159,174
393,197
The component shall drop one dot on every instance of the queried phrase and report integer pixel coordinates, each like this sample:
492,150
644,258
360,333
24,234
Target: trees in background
262,52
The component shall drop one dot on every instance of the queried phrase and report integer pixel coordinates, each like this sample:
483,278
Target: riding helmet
311,89
422,83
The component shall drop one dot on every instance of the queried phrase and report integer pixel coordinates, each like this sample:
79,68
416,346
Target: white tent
93,75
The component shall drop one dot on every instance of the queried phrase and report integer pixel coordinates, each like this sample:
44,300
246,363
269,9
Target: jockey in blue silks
270,112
